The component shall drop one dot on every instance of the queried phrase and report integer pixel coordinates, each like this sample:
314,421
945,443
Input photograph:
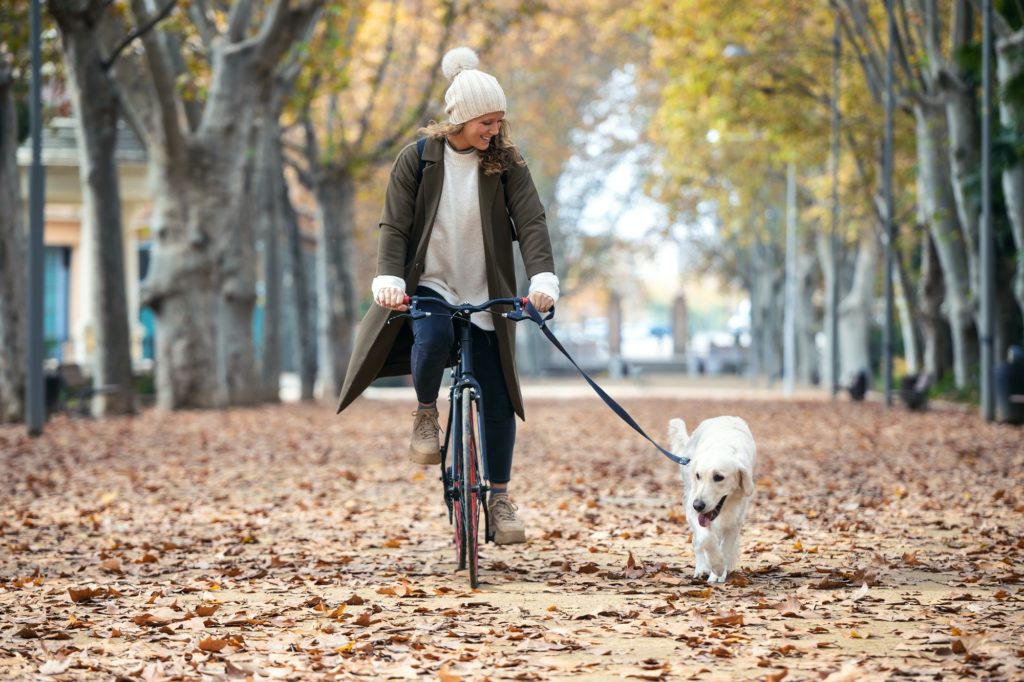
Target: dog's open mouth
707,517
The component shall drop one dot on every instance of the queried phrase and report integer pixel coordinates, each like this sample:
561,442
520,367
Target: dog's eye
718,478
698,476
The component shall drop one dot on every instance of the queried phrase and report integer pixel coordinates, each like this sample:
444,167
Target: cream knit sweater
455,266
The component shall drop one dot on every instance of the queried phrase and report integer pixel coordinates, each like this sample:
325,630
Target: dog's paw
716,578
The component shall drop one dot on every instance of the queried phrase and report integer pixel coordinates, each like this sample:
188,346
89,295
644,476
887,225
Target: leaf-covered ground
290,543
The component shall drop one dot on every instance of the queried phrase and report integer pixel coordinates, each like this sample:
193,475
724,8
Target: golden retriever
719,483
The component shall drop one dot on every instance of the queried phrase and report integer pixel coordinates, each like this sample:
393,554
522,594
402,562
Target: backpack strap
504,183
420,145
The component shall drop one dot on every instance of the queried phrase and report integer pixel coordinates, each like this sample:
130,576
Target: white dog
719,482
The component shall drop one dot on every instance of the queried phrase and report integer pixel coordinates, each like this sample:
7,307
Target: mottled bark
936,198
227,209
1009,65
302,302
337,314
180,290
267,221
13,245
964,126
822,243
95,100
934,326
808,367
765,311
207,344
855,309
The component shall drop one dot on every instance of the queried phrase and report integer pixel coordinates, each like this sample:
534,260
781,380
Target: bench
78,388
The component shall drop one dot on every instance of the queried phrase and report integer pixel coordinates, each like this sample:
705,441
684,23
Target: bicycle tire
458,498
470,488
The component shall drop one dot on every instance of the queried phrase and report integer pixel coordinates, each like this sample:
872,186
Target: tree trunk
808,366
96,107
964,144
765,320
13,247
179,288
1009,65
302,302
823,247
202,279
908,326
267,221
335,195
855,311
936,330
226,209
936,198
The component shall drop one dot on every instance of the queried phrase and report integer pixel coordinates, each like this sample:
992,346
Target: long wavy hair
501,155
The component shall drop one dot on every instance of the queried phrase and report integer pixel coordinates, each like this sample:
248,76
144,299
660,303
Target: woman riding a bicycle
454,204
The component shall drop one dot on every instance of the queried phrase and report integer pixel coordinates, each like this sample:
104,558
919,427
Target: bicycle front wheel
470,485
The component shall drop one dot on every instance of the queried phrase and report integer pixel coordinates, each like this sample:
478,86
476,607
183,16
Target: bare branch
193,107
904,36
400,129
279,29
870,68
378,77
197,10
163,86
240,17
138,33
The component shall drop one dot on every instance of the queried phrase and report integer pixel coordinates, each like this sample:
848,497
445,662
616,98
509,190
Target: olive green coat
406,222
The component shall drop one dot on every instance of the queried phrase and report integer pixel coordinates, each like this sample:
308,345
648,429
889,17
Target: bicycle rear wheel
470,484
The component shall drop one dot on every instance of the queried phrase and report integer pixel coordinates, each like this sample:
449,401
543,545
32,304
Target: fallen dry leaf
245,537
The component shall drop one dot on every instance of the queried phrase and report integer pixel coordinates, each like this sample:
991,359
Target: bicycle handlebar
516,314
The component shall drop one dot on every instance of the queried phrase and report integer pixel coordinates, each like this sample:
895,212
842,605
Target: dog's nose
699,505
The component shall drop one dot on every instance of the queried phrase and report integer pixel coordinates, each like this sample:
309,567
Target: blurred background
729,188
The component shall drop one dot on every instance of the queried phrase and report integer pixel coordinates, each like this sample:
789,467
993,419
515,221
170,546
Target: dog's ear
677,435
746,481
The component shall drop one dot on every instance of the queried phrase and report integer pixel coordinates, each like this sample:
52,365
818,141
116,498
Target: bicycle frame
464,474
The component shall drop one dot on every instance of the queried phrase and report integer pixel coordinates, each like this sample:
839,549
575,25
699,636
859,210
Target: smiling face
713,480
477,132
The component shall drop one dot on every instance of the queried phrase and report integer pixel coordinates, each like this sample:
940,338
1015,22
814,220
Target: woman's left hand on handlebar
542,302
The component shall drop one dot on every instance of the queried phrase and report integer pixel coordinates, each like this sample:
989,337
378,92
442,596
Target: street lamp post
34,415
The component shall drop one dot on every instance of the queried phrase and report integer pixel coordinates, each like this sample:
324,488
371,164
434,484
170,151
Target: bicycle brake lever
418,315
520,314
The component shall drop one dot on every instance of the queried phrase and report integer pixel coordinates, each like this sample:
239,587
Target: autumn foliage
290,543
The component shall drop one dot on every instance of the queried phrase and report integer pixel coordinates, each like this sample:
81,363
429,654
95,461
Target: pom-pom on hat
472,92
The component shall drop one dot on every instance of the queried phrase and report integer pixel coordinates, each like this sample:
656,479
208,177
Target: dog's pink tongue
704,519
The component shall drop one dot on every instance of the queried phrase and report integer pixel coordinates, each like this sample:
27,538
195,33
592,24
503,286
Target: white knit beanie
472,93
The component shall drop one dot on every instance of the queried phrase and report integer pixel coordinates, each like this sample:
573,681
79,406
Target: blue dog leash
609,401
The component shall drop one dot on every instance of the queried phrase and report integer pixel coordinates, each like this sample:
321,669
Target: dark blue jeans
433,340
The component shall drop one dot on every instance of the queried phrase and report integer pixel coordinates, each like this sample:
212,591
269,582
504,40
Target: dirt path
288,543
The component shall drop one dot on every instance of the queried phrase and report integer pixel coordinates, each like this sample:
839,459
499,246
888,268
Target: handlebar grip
406,300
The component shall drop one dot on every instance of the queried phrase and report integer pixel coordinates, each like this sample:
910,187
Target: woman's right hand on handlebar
392,298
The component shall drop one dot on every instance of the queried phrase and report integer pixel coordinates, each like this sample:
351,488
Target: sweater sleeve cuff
545,283
386,281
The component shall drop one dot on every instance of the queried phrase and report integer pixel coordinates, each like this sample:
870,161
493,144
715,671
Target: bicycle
464,475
